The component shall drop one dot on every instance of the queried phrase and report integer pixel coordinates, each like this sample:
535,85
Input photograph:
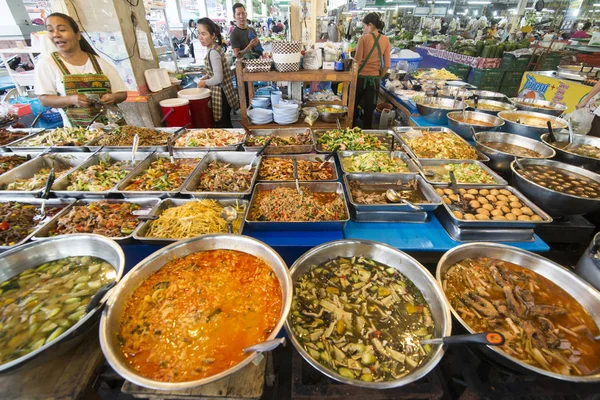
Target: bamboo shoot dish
282,169
543,325
361,319
38,180
62,137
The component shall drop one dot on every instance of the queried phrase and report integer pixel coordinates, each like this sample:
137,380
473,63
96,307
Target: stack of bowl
260,102
286,113
260,116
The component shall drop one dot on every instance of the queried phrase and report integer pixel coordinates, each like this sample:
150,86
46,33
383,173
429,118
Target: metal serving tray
141,231
147,149
29,169
332,187
392,179
232,147
60,186
32,155
418,217
236,159
483,234
461,223
146,206
305,157
51,203
401,131
5,148
386,136
412,167
284,132
428,163
19,145
139,169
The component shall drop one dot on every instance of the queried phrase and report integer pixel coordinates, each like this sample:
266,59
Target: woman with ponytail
66,78
373,58
219,79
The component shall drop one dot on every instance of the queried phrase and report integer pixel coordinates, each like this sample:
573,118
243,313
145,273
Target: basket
258,65
286,56
413,63
51,116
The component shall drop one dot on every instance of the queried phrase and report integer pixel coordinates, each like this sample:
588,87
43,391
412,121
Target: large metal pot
570,157
499,105
555,203
109,324
588,266
539,106
34,254
530,124
486,94
429,108
481,122
586,295
450,91
391,257
499,160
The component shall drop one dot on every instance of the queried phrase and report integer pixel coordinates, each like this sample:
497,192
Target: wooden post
239,69
351,102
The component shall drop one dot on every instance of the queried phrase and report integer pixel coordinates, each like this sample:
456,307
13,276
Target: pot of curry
530,124
539,106
548,315
463,123
183,316
359,311
584,152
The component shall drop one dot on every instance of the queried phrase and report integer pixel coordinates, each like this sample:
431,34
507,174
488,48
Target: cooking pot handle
97,298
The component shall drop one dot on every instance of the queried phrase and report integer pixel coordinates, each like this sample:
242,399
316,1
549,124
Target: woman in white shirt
69,79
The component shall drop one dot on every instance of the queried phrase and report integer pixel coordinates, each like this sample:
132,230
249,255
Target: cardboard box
328,65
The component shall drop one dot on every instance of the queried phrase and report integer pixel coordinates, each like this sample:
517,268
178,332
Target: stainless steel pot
481,122
586,295
34,254
109,324
332,116
523,123
588,266
539,106
499,160
391,257
572,158
492,103
429,108
450,91
486,94
555,203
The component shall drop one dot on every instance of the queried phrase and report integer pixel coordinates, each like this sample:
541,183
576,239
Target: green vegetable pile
374,162
350,139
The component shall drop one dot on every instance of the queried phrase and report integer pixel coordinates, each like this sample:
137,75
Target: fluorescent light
450,12
480,2
596,4
495,13
406,6
440,2
475,12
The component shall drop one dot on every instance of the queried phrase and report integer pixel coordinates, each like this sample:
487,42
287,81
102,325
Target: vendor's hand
201,83
253,43
108,99
581,105
80,100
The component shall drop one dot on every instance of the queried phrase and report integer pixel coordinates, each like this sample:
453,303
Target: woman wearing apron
219,78
373,58
74,79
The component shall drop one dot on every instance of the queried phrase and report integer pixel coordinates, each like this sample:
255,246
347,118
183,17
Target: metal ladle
396,197
229,215
265,346
486,338
258,153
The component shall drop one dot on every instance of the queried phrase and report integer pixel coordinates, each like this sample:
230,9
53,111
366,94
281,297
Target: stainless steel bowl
487,95
539,106
429,108
332,116
450,91
572,158
499,104
555,203
109,324
525,125
500,160
34,254
410,268
481,122
585,294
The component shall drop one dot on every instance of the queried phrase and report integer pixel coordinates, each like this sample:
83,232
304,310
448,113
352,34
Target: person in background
280,27
493,31
286,26
244,40
66,78
583,33
231,27
219,78
192,34
373,59
332,31
269,22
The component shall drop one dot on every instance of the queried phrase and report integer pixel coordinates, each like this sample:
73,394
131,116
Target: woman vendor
218,79
373,58
74,79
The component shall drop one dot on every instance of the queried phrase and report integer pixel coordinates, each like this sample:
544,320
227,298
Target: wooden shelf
304,75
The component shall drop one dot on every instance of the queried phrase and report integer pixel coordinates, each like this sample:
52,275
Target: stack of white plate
260,116
260,102
286,113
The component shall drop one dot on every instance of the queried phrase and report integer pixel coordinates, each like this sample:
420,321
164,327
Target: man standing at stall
244,40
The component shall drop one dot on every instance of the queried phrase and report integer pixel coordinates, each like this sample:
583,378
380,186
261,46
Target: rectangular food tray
232,147
32,155
305,157
284,132
425,163
412,167
236,159
147,149
19,145
418,217
146,205
332,187
140,232
386,136
28,131
483,234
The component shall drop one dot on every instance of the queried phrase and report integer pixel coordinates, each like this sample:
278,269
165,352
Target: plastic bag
312,59
581,120
310,115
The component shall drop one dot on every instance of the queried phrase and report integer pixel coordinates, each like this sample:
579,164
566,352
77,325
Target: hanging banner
561,91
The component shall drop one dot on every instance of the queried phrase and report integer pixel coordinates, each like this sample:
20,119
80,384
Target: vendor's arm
238,53
217,68
589,96
360,51
386,60
54,101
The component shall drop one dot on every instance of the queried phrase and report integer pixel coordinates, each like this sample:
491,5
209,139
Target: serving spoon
453,184
518,164
485,338
395,197
258,153
265,346
426,172
551,132
229,215
46,192
327,158
296,177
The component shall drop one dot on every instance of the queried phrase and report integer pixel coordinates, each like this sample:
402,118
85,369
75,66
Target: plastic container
413,63
176,112
202,116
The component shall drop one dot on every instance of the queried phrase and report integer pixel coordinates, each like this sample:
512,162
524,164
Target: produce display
361,319
282,169
276,140
224,177
439,145
486,48
62,137
97,178
209,138
18,220
543,325
513,149
362,196
350,139
9,162
37,181
7,136
179,326
192,219
436,75
123,136
374,162
463,172
586,150
40,304
286,205
562,181
486,205
102,218
163,175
